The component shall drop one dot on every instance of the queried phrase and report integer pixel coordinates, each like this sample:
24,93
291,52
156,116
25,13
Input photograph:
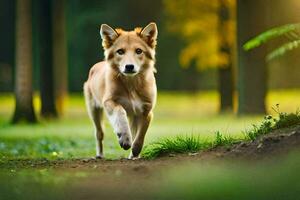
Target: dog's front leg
142,127
118,119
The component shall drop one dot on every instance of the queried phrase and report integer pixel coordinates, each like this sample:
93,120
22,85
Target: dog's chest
133,104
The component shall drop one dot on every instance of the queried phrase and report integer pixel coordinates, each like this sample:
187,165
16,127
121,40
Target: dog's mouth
129,73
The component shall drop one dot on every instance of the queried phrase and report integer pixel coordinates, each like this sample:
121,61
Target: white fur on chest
133,105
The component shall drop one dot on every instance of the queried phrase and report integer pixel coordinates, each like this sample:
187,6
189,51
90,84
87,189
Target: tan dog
123,86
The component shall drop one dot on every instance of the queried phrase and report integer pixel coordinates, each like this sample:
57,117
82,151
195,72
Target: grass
185,144
72,135
191,144
181,144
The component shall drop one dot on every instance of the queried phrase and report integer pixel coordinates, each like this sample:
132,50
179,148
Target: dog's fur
125,97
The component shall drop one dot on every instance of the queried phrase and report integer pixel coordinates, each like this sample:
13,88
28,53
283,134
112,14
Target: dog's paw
124,140
132,157
98,157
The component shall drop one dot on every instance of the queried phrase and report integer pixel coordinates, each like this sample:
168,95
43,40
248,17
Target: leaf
264,37
283,49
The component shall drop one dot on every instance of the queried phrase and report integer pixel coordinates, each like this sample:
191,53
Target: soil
134,177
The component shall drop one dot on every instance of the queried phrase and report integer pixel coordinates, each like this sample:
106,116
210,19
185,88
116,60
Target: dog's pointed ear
149,34
108,35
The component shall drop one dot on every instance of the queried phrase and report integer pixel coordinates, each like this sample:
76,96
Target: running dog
123,86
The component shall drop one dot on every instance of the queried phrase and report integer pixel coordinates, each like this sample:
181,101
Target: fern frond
283,49
290,30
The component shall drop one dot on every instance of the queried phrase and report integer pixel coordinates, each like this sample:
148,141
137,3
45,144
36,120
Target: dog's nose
129,68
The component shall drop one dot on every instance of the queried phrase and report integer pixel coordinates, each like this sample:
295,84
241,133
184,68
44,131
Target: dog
123,86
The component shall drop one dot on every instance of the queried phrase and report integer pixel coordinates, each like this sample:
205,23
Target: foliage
271,123
187,144
178,145
222,140
197,23
290,31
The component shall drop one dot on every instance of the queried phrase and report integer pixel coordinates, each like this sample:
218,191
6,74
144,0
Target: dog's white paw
124,140
132,157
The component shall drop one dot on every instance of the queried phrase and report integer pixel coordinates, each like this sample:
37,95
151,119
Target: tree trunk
226,91
225,73
24,110
252,71
60,54
45,51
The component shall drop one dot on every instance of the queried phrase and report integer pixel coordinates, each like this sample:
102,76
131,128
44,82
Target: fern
290,31
283,49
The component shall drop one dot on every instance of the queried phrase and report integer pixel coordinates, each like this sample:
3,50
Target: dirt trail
265,147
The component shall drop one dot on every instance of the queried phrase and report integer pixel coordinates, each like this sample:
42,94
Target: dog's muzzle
129,69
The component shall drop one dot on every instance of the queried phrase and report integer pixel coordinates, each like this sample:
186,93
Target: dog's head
129,52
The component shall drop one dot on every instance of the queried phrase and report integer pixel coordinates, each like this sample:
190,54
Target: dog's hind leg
95,113
141,127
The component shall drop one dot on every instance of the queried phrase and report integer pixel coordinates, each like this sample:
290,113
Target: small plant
221,140
270,123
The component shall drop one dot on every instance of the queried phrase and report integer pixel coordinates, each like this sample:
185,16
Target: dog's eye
120,51
138,51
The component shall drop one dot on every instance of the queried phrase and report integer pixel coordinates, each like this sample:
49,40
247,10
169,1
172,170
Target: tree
225,71
60,53
252,72
45,55
23,77
208,30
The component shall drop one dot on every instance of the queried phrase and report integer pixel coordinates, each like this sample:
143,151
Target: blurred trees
23,77
45,57
252,70
204,42
226,31
60,56
208,30
50,55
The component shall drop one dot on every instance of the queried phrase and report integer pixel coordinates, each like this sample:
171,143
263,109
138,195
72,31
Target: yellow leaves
197,23
205,53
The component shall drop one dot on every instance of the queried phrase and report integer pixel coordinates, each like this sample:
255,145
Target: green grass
181,144
175,114
191,144
185,144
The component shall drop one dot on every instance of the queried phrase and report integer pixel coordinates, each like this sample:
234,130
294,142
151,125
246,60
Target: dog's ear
108,35
149,34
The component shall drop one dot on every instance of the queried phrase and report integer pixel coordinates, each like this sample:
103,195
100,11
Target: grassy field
175,114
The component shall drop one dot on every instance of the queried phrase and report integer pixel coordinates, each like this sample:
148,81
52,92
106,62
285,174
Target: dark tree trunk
252,71
23,76
45,51
226,91
60,54
225,73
